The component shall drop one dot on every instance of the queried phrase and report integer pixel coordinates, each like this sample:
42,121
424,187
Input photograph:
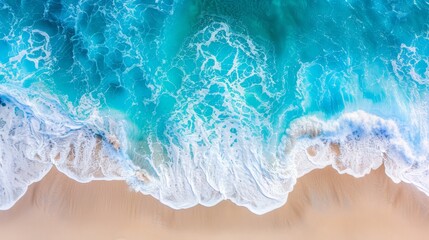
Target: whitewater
198,101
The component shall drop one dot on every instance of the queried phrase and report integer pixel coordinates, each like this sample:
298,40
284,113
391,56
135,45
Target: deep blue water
196,101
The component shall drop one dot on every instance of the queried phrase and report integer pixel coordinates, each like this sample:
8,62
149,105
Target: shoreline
323,204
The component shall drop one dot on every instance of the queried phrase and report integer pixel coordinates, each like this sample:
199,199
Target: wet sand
323,205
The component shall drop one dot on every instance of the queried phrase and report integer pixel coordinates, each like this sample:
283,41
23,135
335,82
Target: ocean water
198,101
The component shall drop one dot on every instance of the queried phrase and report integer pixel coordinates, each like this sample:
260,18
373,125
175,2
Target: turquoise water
197,101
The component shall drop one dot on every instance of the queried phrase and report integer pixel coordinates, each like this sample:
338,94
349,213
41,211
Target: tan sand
324,205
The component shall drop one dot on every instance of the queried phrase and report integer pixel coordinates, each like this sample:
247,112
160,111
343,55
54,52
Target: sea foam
355,143
36,137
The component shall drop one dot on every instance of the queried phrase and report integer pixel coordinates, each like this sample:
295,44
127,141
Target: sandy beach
323,205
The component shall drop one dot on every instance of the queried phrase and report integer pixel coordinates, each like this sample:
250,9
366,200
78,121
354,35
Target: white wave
35,136
211,165
355,144
205,168
208,171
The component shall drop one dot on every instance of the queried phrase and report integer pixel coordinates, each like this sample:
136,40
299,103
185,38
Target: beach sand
323,205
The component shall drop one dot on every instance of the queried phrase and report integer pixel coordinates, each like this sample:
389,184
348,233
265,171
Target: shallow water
196,101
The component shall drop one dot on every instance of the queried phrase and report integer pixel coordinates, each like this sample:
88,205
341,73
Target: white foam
22,153
37,136
409,56
227,166
356,143
204,171
210,164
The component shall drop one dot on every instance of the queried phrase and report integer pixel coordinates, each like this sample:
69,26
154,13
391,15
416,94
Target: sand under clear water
323,205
